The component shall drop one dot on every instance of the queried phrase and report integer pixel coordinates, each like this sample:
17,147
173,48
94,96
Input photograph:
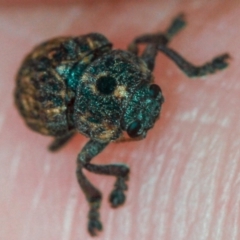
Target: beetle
81,84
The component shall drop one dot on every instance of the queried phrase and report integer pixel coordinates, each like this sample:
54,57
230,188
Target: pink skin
184,181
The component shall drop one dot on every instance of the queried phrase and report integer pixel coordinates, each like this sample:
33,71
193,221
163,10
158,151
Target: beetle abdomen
47,81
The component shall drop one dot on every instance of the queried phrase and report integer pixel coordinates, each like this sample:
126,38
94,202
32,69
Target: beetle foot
220,62
117,196
94,224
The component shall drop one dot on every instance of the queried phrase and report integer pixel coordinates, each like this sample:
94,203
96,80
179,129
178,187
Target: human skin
184,181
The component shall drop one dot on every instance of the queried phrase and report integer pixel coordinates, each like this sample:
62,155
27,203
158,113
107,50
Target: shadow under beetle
80,84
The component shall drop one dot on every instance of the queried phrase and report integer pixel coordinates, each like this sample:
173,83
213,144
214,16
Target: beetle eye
154,90
133,129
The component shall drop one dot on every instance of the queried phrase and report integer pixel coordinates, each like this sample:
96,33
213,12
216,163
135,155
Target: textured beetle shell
98,115
46,89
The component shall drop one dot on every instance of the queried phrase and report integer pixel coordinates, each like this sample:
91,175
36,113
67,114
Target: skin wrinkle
219,229
109,231
165,182
14,168
35,203
166,178
228,182
220,210
148,192
208,191
159,220
176,220
192,200
2,118
235,231
70,211
196,166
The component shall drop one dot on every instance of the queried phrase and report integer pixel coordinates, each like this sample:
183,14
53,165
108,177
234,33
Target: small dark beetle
80,84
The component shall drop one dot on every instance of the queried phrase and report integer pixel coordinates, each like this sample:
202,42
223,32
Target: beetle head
142,111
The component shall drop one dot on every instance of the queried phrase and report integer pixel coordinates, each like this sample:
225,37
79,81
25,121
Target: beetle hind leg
59,142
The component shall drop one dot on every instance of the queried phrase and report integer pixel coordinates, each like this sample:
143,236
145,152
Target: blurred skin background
184,181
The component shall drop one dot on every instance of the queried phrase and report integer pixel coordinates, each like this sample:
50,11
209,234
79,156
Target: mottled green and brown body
80,84
45,90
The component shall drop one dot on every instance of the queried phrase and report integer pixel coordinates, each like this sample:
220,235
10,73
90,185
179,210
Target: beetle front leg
121,171
153,40
94,198
90,150
218,63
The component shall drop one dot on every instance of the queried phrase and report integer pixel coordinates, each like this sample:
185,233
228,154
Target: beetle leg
90,150
176,26
121,171
94,198
159,42
153,40
218,63
149,55
59,142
